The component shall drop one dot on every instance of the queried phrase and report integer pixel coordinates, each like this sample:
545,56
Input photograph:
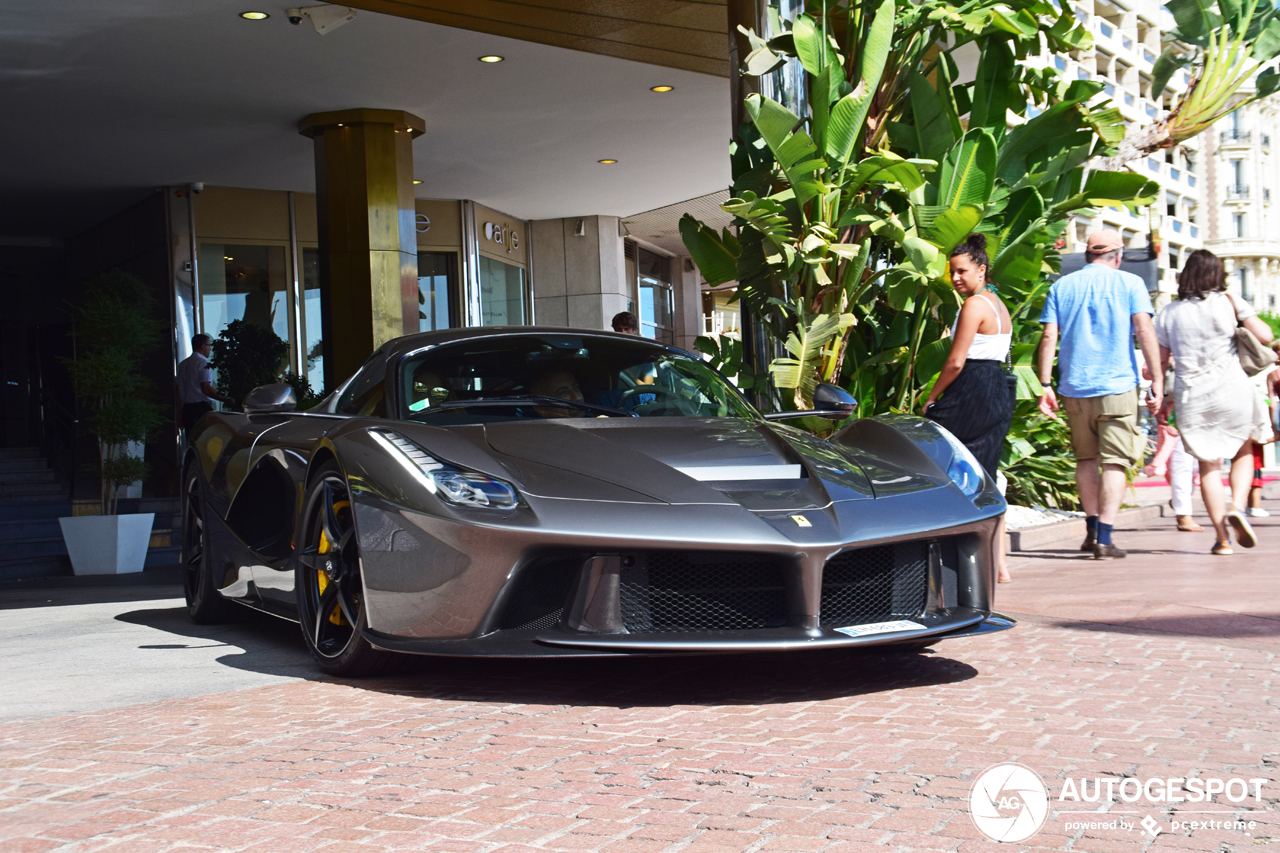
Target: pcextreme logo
1009,802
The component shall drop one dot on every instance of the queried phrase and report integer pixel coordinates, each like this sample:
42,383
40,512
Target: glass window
365,395
529,377
246,283
1237,220
501,293
436,288
653,273
312,320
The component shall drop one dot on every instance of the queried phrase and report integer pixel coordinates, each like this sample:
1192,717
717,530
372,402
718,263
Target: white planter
107,544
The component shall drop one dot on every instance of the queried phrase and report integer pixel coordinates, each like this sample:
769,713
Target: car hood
757,465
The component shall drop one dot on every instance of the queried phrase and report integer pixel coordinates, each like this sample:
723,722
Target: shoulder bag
1254,355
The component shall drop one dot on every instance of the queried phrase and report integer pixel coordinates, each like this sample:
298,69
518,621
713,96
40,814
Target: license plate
880,628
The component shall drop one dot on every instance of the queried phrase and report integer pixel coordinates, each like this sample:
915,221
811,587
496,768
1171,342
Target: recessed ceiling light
607,162
254,16
417,182
493,57
661,88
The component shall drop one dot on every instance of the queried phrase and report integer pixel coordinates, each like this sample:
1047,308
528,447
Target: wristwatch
1047,384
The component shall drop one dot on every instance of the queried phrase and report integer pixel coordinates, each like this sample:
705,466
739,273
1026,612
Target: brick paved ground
832,752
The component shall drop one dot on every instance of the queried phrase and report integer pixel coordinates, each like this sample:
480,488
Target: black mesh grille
875,584
541,592
692,591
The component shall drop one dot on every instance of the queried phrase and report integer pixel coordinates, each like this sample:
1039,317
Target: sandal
1187,524
1244,531
1004,577
1222,548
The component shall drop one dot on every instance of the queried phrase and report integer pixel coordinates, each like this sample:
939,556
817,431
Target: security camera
294,15
197,187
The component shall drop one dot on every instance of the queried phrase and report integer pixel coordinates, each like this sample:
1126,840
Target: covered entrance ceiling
104,101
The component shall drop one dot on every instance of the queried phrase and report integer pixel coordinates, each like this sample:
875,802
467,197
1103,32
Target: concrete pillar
368,246
581,271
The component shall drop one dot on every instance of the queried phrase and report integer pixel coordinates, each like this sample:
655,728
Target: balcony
1195,232
1177,226
1236,137
1244,247
1127,42
1148,56
1174,174
1151,110
1237,191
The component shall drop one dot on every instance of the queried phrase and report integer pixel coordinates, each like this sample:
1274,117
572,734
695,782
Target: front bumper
959,622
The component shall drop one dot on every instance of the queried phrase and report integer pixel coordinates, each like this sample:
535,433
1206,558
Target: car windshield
513,377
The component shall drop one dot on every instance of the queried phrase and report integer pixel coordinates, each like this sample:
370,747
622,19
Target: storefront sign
503,235
422,223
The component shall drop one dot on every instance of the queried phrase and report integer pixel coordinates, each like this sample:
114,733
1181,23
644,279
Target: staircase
32,499
25,477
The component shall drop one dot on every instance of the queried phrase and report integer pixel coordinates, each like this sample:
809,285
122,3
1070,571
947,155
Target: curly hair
975,246
1201,275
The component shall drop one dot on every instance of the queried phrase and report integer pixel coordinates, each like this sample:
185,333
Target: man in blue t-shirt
1098,311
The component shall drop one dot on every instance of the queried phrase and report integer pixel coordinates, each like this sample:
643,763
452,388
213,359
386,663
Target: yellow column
368,247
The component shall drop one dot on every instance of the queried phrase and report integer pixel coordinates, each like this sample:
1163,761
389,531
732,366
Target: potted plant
115,327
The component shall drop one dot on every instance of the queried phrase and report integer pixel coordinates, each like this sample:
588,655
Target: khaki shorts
1106,427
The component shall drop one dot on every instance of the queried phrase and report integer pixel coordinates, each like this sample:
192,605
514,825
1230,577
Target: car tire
205,603
327,581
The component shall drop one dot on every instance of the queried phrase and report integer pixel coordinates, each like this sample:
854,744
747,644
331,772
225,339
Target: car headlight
965,470
450,483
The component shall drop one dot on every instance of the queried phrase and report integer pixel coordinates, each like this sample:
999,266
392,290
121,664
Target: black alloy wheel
328,584
204,603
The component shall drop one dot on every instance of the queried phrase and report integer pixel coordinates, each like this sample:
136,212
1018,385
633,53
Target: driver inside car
561,384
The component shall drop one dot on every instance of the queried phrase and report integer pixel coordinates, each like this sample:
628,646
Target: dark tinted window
512,377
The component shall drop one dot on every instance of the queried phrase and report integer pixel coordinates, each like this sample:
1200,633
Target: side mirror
264,399
833,402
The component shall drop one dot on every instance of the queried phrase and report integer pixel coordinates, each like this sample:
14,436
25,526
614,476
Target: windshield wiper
538,399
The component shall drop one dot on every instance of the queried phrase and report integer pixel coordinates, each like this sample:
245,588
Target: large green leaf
968,172
806,345
708,251
1267,45
849,114
933,128
1196,19
951,226
809,45
876,48
1025,207
1169,62
1110,189
844,128
991,88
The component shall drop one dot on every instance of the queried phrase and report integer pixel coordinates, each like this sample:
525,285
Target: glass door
437,291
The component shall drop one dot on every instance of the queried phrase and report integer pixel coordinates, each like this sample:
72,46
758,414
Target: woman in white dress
1219,413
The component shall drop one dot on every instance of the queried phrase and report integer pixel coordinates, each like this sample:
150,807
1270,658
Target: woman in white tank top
972,397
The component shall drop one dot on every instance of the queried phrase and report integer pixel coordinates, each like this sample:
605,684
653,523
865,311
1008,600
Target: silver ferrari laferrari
532,491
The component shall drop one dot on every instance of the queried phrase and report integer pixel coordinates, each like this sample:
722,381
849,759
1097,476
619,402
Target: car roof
397,347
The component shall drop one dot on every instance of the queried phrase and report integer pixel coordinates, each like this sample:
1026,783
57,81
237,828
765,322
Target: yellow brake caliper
322,579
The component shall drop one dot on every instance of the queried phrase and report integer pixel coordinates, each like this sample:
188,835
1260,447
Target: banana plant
834,217
1225,43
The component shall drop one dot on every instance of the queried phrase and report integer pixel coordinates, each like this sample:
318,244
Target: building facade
1244,225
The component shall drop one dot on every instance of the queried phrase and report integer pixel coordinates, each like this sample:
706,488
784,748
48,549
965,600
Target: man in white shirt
195,383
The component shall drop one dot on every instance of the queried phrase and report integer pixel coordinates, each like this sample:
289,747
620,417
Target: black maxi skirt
977,408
